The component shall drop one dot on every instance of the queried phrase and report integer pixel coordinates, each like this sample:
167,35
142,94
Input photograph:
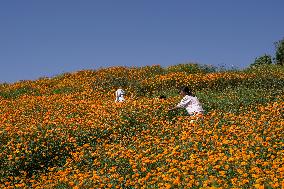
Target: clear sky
44,38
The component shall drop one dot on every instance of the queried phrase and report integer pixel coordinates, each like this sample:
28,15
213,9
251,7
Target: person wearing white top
189,102
119,95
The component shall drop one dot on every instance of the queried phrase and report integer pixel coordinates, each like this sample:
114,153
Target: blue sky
49,37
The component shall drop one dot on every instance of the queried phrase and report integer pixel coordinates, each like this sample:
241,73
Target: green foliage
63,90
262,60
191,68
133,77
72,139
236,96
26,90
151,71
238,99
53,152
33,159
279,54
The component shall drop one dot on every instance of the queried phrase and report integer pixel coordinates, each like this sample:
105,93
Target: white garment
119,94
191,104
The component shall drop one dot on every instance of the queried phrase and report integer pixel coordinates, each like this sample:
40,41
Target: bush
279,54
262,60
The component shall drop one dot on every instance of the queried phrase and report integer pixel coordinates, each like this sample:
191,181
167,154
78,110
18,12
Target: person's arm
174,108
183,103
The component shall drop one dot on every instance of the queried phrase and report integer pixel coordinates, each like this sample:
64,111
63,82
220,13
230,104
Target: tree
262,60
279,54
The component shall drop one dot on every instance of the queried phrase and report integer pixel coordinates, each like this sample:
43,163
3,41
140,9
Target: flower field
67,131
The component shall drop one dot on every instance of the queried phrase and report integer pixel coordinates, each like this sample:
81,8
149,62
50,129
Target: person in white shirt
119,95
189,102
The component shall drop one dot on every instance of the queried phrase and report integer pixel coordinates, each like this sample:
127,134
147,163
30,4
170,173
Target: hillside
67,132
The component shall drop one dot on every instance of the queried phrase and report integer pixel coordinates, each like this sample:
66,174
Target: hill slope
66,131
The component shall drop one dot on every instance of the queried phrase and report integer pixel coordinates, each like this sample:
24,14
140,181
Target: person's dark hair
162,97
186,90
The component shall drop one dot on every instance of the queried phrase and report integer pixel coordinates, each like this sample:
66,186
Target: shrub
262,60
279,54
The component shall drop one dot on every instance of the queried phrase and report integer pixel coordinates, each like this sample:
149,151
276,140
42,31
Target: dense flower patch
67,132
